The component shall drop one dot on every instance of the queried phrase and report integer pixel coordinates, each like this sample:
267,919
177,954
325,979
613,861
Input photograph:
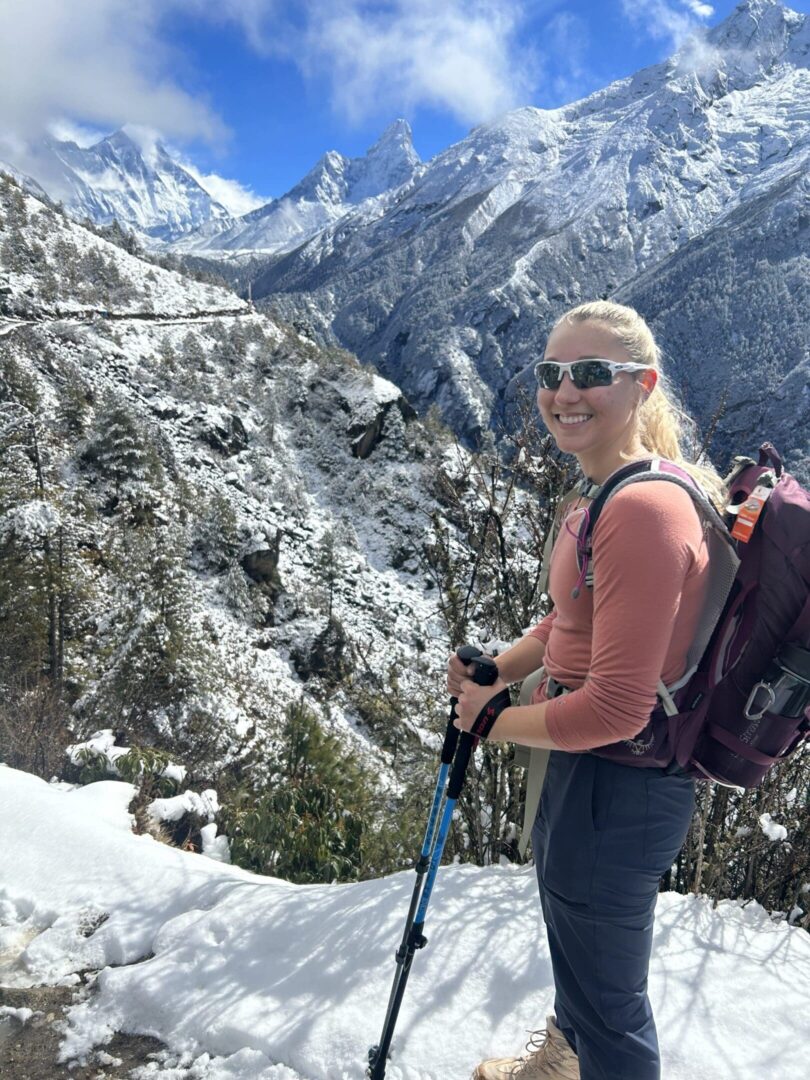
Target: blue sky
256,90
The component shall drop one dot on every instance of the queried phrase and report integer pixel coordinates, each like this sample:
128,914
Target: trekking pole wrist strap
489,714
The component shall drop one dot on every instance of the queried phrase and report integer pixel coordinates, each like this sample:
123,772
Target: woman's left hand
472,700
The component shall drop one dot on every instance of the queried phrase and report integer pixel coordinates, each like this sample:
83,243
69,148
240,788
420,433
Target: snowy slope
251,978
62,269
326,194
746,284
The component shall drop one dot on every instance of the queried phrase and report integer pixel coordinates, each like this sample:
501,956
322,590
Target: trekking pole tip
376,1068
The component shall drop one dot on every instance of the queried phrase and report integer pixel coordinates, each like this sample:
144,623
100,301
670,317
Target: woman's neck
598,471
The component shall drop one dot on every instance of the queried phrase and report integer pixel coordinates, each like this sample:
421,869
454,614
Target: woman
605,832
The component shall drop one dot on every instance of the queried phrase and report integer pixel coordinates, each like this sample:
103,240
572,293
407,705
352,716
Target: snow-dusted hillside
251,978
732,307
253,442
451,290
331,190
51,267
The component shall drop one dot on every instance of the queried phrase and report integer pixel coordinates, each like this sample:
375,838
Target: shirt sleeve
644,545
543,629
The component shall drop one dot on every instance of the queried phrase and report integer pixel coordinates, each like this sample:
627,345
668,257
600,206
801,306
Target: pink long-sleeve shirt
613,643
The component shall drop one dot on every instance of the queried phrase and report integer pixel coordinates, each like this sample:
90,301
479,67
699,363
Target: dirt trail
30,1051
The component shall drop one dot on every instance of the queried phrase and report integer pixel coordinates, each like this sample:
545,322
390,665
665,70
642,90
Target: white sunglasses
584,374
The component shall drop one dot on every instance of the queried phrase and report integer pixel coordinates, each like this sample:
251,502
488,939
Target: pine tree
29,527
328,569
157,671
122,451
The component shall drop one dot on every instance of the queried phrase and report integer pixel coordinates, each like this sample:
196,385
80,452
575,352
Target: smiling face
599,426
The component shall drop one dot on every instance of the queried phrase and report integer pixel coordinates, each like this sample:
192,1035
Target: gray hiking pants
603,836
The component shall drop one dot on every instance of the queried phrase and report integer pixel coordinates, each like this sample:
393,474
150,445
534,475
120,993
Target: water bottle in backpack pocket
785,689
749,732
775,719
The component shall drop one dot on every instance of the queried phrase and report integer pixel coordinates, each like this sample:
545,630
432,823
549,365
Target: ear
649,380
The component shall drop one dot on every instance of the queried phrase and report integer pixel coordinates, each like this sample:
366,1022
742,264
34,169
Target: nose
566,391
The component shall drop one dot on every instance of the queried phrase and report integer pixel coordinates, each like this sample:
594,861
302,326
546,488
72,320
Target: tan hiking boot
548,1057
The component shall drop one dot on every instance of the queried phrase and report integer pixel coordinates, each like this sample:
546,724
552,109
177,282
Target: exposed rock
326,657
261,566
228,436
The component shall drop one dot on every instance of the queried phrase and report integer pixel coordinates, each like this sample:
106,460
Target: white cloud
668,20
100,61
464,57
460,56
68,131
702,11
99,64
231,194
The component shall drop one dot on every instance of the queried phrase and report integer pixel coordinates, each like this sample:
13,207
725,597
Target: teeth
573,419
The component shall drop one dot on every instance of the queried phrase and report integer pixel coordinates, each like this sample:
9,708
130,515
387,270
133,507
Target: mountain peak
390,162
128,176
740,51
397,133
763,25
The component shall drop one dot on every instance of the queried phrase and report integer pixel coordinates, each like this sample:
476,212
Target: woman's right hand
456,671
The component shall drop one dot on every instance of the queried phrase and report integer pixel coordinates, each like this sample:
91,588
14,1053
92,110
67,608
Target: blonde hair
661,419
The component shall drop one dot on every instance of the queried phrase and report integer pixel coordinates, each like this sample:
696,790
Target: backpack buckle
770,698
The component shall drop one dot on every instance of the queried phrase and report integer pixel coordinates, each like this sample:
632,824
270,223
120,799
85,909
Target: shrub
310,823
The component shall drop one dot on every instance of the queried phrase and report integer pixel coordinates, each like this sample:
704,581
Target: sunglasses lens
590,373
548,375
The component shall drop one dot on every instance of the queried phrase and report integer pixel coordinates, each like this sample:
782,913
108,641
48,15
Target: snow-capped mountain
332,188
126,179
451,289
732,307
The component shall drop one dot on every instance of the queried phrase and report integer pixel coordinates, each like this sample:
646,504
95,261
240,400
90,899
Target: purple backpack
743,704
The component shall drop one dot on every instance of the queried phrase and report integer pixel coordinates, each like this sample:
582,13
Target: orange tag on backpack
749,512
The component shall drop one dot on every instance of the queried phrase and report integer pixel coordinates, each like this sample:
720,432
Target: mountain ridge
331,188
451,290
120,178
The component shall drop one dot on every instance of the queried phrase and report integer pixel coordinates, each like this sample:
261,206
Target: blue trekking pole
457,752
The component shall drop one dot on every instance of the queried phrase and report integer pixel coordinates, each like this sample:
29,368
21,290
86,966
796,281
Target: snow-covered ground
250,978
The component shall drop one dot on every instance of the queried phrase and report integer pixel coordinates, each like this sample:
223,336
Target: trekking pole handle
485,674
466,653
466,746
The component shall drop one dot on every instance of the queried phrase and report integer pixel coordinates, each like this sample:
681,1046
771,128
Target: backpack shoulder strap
575,493
656,469
613,482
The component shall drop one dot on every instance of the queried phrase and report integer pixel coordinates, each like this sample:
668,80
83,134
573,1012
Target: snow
328,194
131,177
189,802
22,1015
771,829
101,748
252,978
101,744
176,773
215,847
35,521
